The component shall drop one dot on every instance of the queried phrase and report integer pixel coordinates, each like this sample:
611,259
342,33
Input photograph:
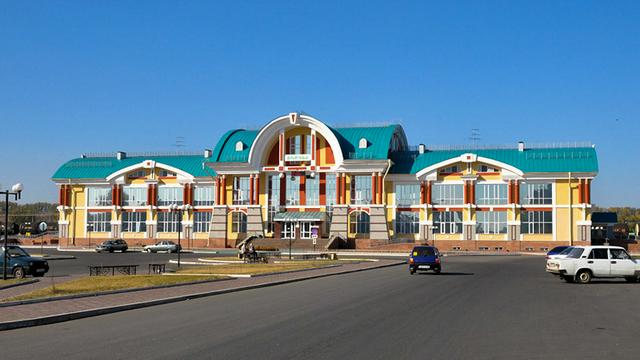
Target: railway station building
300,179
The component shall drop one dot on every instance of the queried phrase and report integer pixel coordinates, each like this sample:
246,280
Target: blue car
425,258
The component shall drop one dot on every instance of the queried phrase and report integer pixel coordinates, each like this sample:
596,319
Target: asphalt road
80,265
479,308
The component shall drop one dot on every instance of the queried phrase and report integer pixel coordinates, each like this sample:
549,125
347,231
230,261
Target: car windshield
424,251
575,253
16,252
107,243
566,251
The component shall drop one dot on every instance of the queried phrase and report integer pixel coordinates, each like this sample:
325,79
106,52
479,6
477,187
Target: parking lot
480,307
84,259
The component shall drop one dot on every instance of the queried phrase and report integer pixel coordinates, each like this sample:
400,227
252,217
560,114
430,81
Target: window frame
407,222
449,221
443,193
410,189
134,221
493,222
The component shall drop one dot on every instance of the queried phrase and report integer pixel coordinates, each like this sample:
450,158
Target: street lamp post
16,191
174,208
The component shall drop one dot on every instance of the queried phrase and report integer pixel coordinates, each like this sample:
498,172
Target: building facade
298,178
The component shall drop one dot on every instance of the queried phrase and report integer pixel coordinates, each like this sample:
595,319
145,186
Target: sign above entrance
297,157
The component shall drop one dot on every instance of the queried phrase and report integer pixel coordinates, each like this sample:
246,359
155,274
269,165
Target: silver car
168,246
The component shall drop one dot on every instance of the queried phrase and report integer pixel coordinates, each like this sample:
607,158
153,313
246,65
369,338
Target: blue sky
103,76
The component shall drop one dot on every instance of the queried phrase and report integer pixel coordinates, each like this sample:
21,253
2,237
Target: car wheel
18,272
124,250
583,277
437,270
631,279
110,251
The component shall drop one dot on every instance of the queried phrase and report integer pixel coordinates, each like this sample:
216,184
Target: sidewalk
69,309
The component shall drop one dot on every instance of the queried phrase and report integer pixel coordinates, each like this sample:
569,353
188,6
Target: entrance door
288,230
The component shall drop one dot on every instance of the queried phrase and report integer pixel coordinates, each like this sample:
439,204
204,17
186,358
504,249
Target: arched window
238,222
363,144
359,223
239,146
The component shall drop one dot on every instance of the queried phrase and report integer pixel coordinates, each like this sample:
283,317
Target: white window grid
204,195
407,222
361,190
293,190
99,221
201,221
241,190
295,145
359,222
239,222
312,190
491,194
447,222
288,230
537,222
447,194
134,221
168,221
168,195
491,222
305,230
134,196
99,196
407,194
537,194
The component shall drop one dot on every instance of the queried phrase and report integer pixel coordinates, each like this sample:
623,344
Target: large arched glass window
359,223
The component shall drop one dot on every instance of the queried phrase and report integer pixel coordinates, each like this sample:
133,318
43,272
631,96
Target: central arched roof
344,140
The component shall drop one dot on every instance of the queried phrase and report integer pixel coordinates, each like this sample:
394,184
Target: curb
109,310
244,276
112,292
27,282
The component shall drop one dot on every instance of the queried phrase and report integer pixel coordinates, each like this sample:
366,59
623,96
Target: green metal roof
225,150
299,216
378,139
580,159
101,167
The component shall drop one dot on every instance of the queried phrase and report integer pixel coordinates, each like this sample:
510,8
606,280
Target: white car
168,246
583,263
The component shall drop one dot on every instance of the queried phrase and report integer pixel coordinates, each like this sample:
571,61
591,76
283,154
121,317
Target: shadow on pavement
445,273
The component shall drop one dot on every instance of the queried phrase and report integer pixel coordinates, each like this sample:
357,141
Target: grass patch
93,284
255,269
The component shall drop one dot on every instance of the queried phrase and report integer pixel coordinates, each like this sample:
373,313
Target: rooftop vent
520,145
208,153
83,156
422,149
121,155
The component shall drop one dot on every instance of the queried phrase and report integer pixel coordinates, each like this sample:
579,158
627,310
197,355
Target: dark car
20,263
113,245
425,258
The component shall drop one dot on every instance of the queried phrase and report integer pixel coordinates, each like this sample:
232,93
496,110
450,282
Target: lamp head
17,188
